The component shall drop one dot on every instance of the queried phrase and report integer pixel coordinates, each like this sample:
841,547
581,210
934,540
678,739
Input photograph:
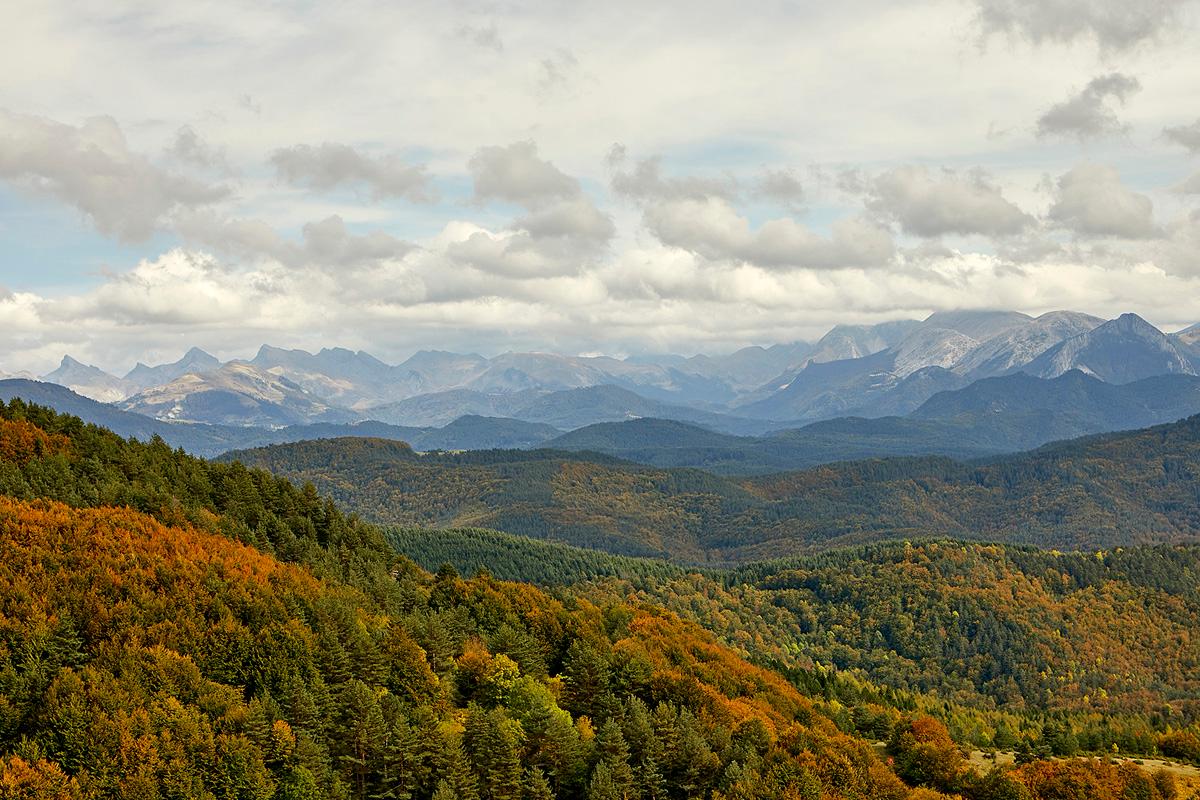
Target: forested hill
176,628
1014,633
156,643
1103,491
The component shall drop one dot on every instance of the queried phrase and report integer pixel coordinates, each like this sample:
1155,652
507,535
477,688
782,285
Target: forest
999,642
171,627
1141,487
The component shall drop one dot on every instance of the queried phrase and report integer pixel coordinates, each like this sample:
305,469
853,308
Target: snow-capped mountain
194,360
867,370
235,394
1121,350
88,381
1018,346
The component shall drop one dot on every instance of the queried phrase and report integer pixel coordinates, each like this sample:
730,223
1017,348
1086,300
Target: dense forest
997,641
1113,490
171,627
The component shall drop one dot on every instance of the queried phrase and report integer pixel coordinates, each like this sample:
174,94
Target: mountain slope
1015,348
88,381
236,394
945,610
566,410
194,360
1114,490
1073,404
158,655
1119,351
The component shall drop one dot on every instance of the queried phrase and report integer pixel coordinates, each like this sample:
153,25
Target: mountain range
889,369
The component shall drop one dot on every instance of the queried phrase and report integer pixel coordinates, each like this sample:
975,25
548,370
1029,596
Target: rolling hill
238,637
1121,489
243,633
989,417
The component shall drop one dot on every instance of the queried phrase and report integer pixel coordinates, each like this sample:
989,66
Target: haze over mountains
894,369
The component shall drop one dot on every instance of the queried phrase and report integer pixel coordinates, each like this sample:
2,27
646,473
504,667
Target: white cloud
645,181
516,174
1089,113
1090,200
1113,24
926,204
189,148
738,106
1187,136
326,242
330,165
92,168
713,229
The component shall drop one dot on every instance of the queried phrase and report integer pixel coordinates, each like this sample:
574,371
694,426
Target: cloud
1114,24
1190,185
91,168
713,229
514,173
189,148
929,205
1179,251
513,254
326,242
1089,114
177,288
574,218
561,232
330,165
645,181
1090,200
1185,135
329,242
486,37
557,72
780,186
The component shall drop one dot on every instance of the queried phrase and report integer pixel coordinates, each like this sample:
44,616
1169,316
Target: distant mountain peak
1121,350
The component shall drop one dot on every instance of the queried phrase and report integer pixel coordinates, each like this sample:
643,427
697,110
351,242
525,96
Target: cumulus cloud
1179,250
1113,24
562,230
509,253
928,204
1089,113
1090,200
515,173
92,168
189,148
780,186
330,165
151,293
1185,135
573,218
645,180
713,229
326,242
1191,185
330,242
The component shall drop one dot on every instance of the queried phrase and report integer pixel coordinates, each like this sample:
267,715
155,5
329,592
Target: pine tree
455,771
601,786
614,753
536,786
503,780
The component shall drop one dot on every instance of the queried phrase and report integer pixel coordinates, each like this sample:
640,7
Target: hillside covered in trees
1121,489
998,641
176,628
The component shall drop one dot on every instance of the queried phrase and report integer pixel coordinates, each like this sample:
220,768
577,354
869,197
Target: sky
583,177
